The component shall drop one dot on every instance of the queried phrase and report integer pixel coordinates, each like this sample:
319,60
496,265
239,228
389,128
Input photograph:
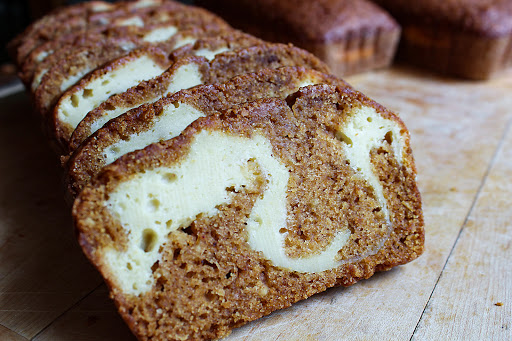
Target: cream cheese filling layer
73,78
155,203
73,106
365,130
184,41
131,21
166,126
145,3
209,54
36,81
160,34
42,55
151,205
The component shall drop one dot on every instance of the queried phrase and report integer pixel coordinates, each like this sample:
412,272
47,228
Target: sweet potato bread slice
251,210
168,117
188,72
113,78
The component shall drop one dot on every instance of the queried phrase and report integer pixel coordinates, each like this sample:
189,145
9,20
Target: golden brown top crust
316,21
484,17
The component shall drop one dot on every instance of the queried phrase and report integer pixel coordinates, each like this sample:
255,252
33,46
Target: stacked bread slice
215,177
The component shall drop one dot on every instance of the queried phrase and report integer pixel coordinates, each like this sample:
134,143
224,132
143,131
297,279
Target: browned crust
147,90
87,159
358,53
350,36
61,131
226,247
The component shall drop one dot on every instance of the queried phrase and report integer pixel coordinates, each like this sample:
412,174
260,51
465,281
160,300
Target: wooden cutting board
459,289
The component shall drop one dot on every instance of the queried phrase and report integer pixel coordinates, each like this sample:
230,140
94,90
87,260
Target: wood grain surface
460,289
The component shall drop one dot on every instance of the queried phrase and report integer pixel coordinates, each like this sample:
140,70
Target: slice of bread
251,210
169,116
64,67
189,71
